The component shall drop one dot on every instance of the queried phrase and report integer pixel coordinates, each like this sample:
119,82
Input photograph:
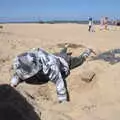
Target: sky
35,10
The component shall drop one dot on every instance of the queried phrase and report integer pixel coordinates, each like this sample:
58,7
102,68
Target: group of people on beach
103,24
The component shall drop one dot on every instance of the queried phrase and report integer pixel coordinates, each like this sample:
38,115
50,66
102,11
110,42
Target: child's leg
77,61
89,28
63,53
64,50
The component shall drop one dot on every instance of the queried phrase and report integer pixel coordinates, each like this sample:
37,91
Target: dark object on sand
13,106
87,76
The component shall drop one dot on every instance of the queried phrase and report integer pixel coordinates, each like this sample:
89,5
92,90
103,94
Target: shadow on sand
13,106
111,56
37,79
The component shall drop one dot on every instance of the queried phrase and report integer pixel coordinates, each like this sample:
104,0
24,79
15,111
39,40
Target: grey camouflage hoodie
30,63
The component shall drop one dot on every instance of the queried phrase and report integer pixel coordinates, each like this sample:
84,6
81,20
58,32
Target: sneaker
87,53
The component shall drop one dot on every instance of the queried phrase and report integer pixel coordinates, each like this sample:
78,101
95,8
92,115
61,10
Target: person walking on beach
39,64
90,25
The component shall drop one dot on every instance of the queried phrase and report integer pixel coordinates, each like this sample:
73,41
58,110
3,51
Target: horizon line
51,21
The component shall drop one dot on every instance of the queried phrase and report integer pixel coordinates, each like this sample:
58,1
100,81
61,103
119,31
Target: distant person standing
104,23
90,25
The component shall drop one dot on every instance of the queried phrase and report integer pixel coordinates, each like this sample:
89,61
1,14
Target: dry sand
98,99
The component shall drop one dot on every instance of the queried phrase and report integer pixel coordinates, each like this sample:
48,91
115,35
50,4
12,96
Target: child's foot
87,52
